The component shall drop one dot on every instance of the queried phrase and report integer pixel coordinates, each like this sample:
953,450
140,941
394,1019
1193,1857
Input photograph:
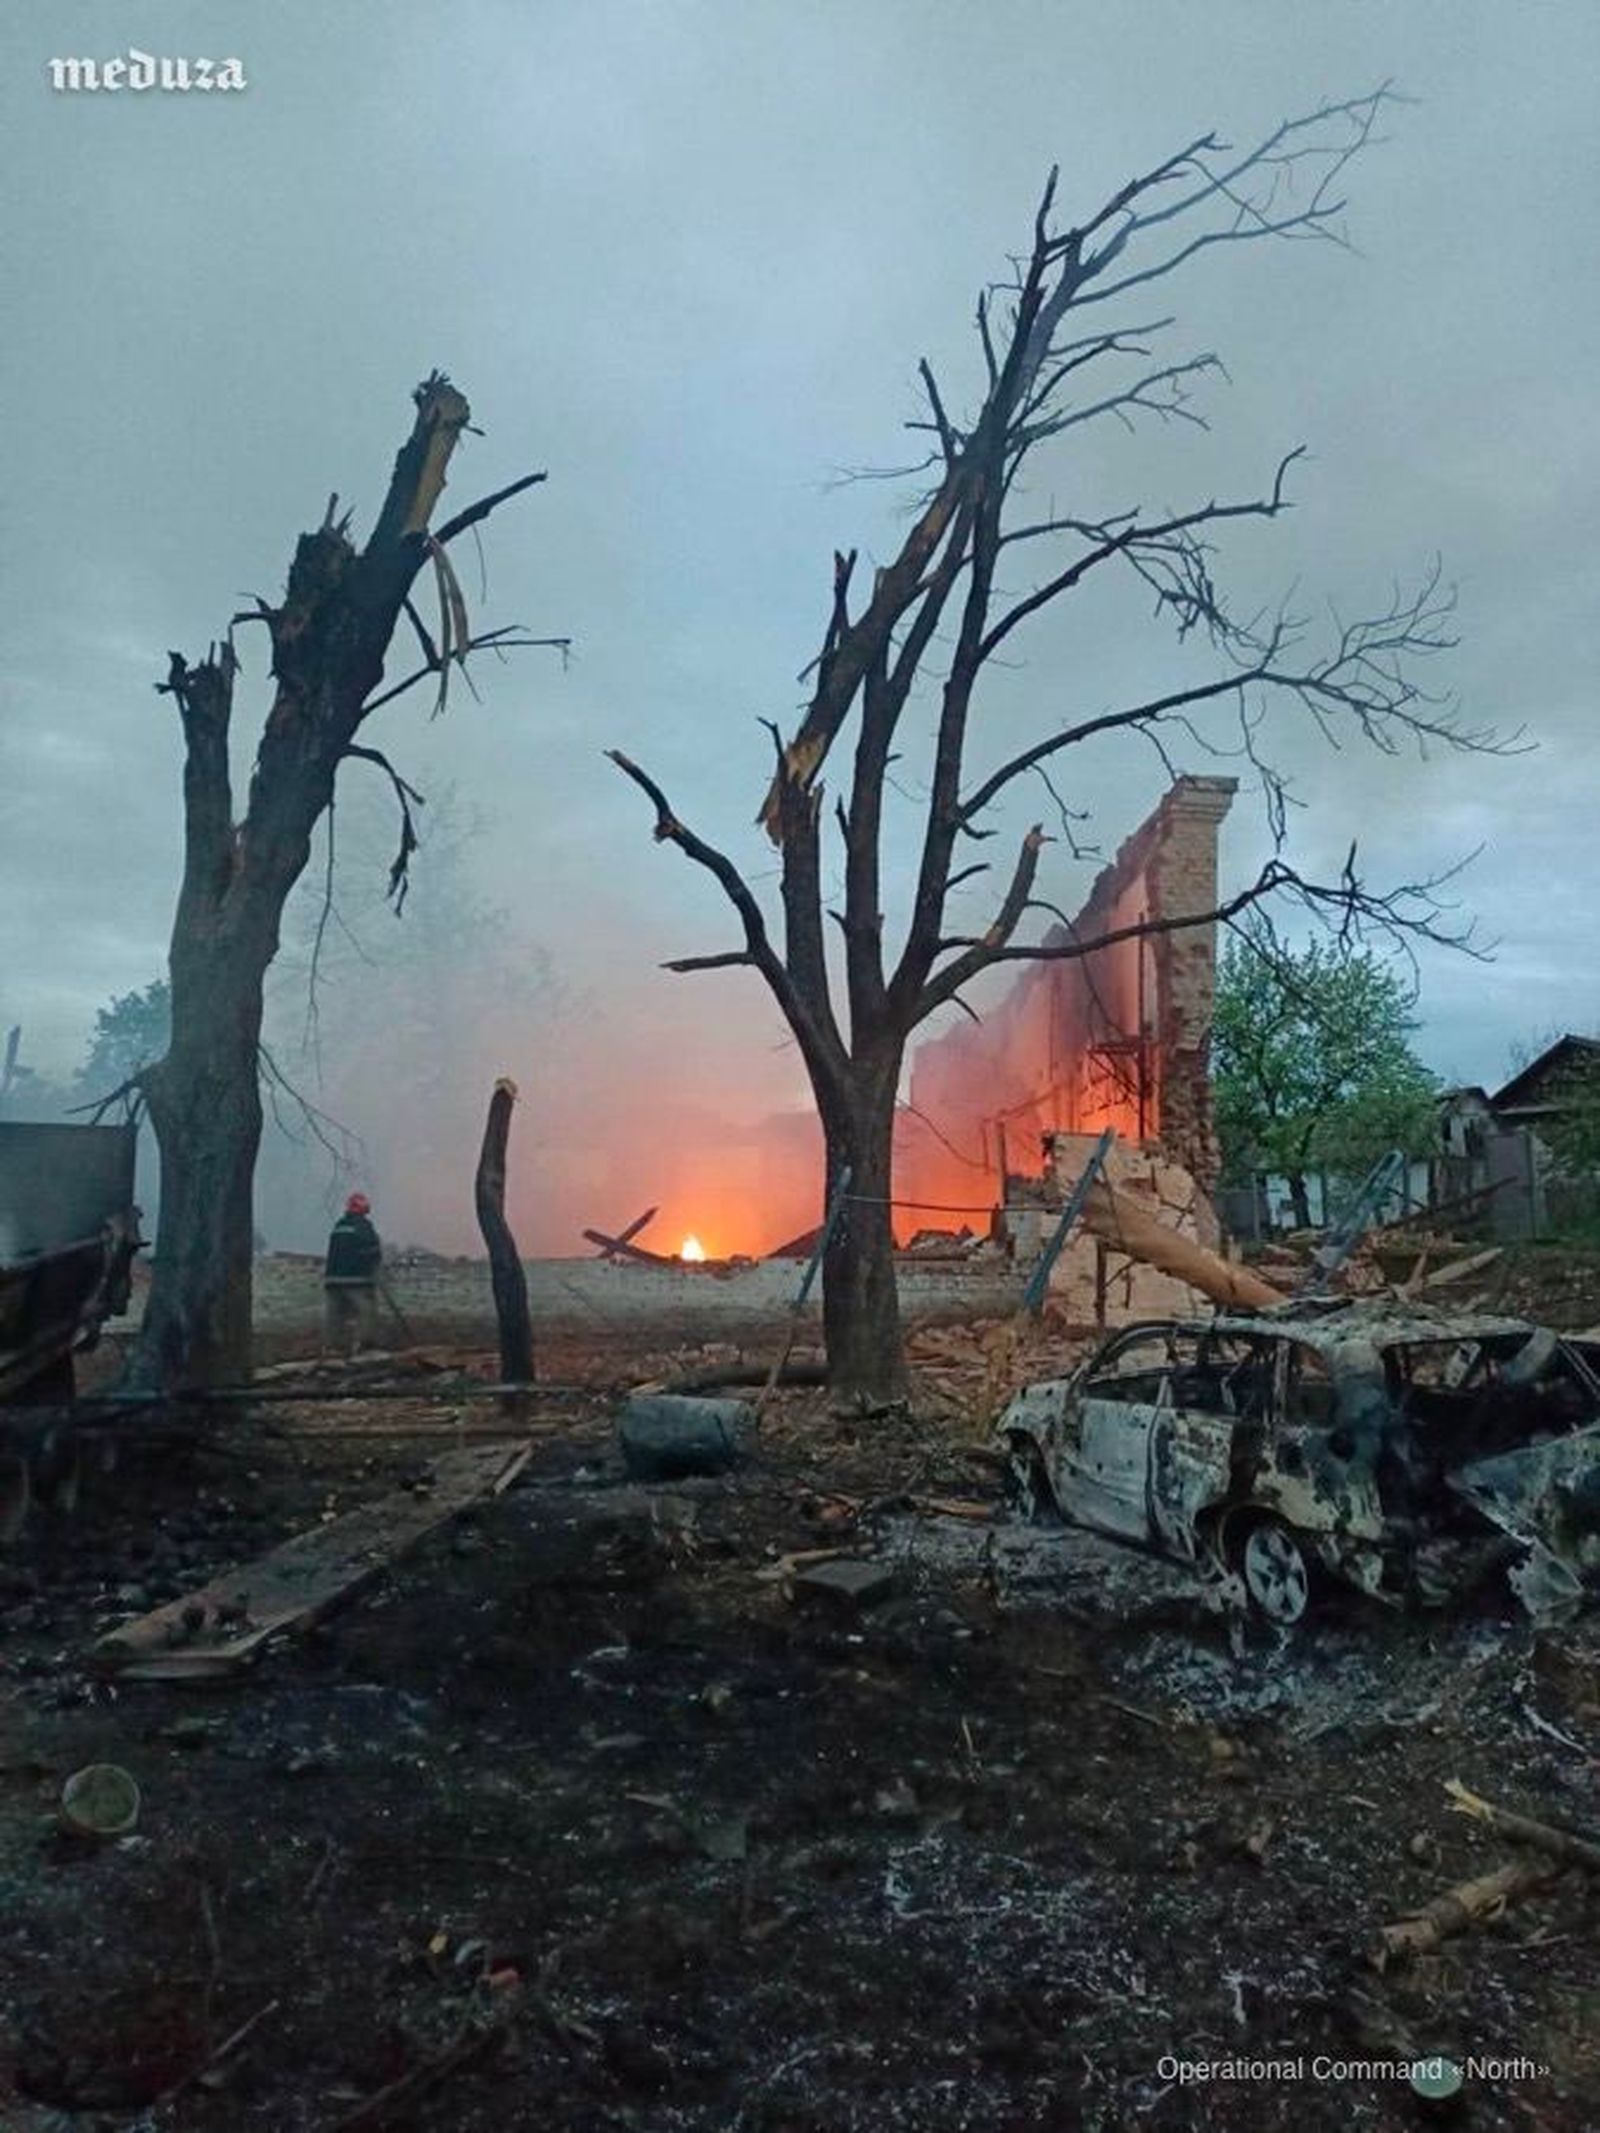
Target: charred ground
583,1817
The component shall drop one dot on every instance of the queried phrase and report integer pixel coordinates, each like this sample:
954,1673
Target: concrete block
850,1584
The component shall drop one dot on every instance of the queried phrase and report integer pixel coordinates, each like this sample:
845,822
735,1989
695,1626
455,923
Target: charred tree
1066,343
330,637
505,1262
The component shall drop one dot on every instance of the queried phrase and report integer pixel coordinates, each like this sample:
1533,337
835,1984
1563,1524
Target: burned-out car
1404,1453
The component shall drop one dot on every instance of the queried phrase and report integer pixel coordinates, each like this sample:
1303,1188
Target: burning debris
621,1249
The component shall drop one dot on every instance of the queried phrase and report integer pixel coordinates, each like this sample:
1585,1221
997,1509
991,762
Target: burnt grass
575,1820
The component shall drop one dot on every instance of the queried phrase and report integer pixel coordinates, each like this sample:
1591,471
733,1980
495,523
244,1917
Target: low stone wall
451,1299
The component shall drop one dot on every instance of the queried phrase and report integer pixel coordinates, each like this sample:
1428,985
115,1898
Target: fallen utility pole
505,1264
1354,1220
824,1236
99,1410
1039,1280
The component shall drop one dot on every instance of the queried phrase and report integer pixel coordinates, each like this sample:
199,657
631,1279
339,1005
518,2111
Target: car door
1102,1476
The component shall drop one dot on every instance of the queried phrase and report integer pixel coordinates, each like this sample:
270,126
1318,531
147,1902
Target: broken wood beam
626,1236
505,1264
1458,1269
619,1248
1562,1844
1457,1908
221,1629
1123,1223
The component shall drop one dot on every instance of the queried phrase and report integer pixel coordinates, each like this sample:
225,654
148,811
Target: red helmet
358,1204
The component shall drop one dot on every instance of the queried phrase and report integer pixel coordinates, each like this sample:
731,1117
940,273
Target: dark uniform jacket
354,1253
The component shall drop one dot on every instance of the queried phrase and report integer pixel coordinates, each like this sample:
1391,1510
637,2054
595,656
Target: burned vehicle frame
1404,1453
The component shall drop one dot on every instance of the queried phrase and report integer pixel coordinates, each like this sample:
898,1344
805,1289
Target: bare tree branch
1353,911
475,513
939,614
506,639
408,797
817,1039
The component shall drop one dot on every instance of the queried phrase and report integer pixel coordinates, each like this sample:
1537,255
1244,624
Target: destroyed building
1119,1037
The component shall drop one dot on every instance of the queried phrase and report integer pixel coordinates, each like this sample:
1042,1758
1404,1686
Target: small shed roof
1527,1089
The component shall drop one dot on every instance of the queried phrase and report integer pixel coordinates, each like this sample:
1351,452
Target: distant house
1544,1089
1550,1093
1497,1148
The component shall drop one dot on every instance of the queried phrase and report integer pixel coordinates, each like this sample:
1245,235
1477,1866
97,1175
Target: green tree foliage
128,1034
1312,1063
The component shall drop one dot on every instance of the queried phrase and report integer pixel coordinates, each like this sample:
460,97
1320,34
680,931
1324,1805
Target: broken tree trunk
505,1265
205,1107
330,639
860,1296
1121,1221
1457,1908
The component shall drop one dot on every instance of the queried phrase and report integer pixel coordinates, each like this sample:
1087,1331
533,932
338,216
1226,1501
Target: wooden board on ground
212,1633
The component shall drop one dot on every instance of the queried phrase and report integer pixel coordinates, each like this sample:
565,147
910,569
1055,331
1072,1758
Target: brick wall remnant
1120,1037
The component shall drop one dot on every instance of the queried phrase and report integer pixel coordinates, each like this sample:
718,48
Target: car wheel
1277,1576
1027,1491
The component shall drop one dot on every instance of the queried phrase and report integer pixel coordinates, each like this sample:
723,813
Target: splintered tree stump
505,1264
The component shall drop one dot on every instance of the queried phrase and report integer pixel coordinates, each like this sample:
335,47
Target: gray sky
686,255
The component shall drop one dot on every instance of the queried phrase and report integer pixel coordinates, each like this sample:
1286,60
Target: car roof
1375,1326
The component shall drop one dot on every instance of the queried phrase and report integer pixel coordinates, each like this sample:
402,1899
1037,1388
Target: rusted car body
1400,1452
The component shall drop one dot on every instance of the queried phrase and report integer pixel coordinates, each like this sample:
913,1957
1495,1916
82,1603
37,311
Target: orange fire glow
691,1249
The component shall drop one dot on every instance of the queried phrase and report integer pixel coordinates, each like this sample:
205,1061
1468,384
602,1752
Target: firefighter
350,1277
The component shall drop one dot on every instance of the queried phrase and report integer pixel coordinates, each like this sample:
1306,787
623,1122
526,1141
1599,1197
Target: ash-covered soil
584,1817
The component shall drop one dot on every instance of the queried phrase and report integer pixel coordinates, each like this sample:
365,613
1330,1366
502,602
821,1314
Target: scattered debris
725,1819
475,2043
1486,1895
